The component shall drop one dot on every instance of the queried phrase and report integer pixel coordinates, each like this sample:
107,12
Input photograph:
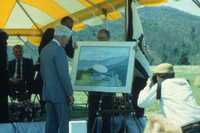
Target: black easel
124,108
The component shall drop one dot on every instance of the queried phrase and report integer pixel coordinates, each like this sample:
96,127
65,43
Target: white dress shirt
177,103
21,69
57,42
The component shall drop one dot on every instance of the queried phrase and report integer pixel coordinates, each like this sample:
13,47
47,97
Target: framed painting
104,66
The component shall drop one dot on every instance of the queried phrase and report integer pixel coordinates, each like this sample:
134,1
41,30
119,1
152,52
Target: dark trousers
192,128
93,99
20,91
4,117
38,84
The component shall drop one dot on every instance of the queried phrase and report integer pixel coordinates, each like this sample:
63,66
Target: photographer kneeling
177,103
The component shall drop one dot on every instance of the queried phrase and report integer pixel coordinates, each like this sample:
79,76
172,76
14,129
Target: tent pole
128,20
105,20
24,10
197,3
24,42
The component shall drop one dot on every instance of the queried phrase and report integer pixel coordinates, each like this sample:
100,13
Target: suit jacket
3,71
54,71
27,71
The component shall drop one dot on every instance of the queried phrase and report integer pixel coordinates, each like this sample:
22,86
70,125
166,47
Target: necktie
18,69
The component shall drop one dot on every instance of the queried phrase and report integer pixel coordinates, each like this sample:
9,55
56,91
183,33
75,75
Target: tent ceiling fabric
47,13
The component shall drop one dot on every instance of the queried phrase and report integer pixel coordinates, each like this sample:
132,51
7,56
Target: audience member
46,38
20,75
4,117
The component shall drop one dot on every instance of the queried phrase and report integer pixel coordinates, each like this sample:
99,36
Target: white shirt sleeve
147,96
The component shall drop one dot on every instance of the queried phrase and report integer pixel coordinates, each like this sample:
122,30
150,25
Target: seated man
20,75
177,103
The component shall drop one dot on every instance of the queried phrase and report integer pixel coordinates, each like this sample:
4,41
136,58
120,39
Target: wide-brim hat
164,68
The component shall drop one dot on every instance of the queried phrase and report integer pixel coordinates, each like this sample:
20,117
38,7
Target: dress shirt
16,69
57,42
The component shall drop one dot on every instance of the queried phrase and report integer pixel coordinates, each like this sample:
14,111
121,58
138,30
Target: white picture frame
104,66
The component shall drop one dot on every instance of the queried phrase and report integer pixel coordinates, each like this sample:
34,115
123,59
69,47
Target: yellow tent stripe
88,3
80,15
85,3
50,7
111,16
87,13
35,40
78,27
23,32
6,9
151,2
114,15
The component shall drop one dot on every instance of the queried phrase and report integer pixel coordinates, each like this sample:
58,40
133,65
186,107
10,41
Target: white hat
164,68
62,31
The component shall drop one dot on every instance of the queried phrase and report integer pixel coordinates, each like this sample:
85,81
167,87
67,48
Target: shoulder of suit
52,44
52,48
57,47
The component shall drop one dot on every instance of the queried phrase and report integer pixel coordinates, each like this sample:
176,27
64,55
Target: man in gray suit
57,88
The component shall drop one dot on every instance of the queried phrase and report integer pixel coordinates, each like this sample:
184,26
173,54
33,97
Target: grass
86,80
189,72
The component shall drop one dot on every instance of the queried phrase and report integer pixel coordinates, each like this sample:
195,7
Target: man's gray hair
62,31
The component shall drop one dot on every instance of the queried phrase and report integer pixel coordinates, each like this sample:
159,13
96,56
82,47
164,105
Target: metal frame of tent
197,2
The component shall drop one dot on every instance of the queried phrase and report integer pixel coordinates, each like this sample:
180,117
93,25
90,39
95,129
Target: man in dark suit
20,74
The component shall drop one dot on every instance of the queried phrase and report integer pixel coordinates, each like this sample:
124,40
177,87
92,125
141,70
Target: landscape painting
103,67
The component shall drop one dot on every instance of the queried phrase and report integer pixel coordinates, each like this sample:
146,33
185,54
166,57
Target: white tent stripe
71,5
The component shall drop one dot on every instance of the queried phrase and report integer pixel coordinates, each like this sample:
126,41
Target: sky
95,53
185,5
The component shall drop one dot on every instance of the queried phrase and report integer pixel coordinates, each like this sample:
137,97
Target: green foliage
171,35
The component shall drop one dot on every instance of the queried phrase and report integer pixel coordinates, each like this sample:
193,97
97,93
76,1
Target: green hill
171,35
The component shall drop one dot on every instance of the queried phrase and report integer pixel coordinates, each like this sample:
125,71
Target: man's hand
154,79
151,81
71,100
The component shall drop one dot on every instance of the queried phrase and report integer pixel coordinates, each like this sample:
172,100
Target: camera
154,79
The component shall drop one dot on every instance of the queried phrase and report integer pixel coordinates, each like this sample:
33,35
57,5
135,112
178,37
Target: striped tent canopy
32,17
